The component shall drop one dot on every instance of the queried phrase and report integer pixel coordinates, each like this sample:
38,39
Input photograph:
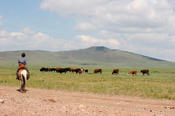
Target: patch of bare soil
42,102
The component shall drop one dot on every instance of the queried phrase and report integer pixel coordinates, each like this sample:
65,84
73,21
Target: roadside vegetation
159,85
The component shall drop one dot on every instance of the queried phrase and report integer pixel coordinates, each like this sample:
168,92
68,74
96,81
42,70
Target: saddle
22,65
19,70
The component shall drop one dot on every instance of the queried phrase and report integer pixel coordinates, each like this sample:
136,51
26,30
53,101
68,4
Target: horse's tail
23,80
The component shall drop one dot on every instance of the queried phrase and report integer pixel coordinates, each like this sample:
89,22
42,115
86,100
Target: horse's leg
23,79
24,83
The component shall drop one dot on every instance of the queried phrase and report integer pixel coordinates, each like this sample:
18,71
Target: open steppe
54,94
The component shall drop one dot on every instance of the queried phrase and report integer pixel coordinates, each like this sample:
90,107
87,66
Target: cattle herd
82,70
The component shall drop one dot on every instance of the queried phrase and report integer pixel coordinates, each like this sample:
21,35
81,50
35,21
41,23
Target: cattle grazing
115,71
145,71
80,72
62,70
44,69
75,70
67,69
59,70
98,70
133,72
52,69
86,70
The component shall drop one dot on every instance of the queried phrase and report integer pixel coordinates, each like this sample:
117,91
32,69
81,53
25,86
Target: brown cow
98,70
75,70
115,71
145,71
133,72
80,71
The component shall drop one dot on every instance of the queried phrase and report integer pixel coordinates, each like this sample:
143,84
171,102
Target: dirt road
42,102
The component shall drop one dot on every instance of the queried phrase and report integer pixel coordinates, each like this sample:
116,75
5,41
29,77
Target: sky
145,27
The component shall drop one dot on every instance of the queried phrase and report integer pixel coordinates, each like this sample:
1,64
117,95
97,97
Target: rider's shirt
22,61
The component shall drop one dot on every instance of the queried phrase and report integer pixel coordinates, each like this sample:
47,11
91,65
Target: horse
22,75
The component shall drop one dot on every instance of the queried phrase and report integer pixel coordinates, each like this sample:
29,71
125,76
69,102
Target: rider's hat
23,54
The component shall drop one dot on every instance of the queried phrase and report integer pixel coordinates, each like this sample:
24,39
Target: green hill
92,56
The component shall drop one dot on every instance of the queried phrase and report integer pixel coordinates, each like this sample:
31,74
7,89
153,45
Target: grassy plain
159,85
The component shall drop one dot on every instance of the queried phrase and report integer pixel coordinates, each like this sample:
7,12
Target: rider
22,61
22,64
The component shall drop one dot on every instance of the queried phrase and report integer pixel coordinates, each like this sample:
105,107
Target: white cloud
160,45
28,30
3,33
29,39
116,14
136,42
71,7
85,27
135,25
91,41
124,16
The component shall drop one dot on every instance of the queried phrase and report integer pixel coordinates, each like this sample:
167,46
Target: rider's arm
25,61
22,61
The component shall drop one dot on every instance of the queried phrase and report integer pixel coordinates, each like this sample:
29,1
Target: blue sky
141,26
18,15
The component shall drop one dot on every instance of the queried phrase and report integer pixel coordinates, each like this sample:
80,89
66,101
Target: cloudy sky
146,27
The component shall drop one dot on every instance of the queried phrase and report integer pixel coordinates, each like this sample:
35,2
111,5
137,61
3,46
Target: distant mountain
97,55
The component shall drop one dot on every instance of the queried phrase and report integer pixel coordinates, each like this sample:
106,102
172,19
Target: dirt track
42,102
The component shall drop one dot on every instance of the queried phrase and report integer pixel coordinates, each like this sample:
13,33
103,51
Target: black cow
44,69
86,70
52,69
145,71
67,69
62,70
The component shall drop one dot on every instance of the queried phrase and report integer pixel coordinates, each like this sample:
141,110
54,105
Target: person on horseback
22,72
22,61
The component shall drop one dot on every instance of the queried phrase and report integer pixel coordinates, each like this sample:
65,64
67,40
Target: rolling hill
93,56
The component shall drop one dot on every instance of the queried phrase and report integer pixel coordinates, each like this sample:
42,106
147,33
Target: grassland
160,84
